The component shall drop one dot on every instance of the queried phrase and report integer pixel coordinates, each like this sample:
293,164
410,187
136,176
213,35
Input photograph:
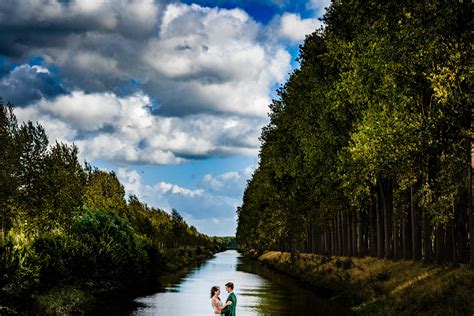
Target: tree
65,180
365,144
104,191
9,163
179,227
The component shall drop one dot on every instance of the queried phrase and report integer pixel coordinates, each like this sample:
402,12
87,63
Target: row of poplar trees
369,146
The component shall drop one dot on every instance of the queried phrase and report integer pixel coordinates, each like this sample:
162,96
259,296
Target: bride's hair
213,291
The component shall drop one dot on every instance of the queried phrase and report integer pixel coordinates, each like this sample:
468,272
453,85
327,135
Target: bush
19,276
100,246
53,255
113,248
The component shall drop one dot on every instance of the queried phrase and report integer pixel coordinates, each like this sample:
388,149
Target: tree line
63,222
369,149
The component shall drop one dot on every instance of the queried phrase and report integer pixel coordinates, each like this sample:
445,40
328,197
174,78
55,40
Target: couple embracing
228,308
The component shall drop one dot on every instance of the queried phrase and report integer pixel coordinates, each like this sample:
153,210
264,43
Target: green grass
376,286
63,301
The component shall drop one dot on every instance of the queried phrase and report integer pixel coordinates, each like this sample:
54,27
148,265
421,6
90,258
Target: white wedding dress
215,307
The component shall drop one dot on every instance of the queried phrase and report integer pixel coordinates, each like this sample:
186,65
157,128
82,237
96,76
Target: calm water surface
259,292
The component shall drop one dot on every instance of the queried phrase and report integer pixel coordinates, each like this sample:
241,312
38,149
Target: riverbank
78,298
372,286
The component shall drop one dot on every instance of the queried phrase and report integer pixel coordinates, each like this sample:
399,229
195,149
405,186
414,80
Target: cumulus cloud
294,28
213,57
142,81
129,18
191,59
25,84
218,183
124,129
230,183
176,189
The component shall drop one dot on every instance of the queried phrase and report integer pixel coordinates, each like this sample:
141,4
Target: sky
170,95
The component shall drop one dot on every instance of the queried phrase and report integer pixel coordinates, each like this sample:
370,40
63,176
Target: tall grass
383,287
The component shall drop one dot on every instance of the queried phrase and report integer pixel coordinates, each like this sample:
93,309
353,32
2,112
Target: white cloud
176,189
230,183
191,59
319,5
90,112
212,182
294,28
248,171
208,74
25,84
126,16
213,57
213,213
123,129
232,175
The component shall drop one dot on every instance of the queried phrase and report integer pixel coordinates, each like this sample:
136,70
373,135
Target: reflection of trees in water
282,295
260,291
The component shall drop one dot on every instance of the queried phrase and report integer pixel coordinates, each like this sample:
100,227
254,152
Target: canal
259,291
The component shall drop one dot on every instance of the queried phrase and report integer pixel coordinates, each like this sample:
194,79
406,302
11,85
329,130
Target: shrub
100,246
19,275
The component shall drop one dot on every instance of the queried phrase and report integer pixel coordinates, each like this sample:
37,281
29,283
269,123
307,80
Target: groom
230,309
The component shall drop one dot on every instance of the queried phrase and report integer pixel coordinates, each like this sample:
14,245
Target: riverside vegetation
374,286
369,151
67,232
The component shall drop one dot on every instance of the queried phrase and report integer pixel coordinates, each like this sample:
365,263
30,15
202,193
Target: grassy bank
382,287
80,296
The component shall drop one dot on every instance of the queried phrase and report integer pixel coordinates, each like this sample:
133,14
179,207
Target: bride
216,302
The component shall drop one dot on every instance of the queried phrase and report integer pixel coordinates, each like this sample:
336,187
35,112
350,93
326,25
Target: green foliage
104,191
63,300
67,231
383,287
19,276
381,101
100,246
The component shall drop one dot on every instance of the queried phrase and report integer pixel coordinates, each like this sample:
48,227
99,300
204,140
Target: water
259,292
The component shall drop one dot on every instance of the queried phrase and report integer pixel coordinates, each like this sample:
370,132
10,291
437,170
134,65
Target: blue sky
171,95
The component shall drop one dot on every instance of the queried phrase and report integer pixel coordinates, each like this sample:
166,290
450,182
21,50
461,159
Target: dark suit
230,309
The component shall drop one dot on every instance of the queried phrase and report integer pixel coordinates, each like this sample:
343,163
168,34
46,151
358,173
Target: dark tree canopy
367,149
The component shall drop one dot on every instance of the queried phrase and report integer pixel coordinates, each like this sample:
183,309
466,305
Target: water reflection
259,292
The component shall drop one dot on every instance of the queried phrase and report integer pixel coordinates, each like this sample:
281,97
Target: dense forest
369,147
64,223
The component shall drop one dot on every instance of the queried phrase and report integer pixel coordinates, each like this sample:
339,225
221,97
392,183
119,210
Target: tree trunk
471,195
415,228
437,243
366,236
360,235
396,239
404,238
427,248
386,189
378,211
325,243
340,247
373,229
348,234
354,234
332,248
452,241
